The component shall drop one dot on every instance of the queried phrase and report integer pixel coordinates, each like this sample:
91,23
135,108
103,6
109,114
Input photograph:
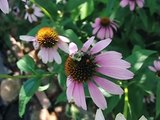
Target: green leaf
138,57
26,64
86,9
74,3
73,37
61,98
158,100
26,93
62,79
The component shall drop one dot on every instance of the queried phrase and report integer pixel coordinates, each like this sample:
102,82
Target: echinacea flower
48,40
103,27
156,67
4,6
32,12
132,3
82,65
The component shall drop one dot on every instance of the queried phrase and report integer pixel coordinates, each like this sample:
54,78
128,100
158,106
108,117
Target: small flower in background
4,6
103,27
32,13
82,65
49,41
150,98
120,116
132,3
156,67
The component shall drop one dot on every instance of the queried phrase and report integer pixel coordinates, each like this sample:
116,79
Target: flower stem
125,111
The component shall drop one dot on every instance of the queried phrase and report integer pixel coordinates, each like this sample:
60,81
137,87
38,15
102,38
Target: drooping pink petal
63,46
50,55
34,18
30,18
101,33
114,25
96,29
152,68
110,55
107,33
87,44
140,3
99,115
69,80
76,95
132,5
72,48
57,57
82,96
108,86
27,38
43,54
70,89
124,3
97,96
110,32
100,45
4,6
36,44
64,39
115,72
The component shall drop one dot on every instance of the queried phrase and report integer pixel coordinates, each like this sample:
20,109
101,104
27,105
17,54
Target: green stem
125,111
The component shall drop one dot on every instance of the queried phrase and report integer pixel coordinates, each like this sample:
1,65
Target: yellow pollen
47,37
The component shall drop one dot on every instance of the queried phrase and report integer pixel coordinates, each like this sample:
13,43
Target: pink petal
140,3
34,18
107,33
87,44
110,32
64,39
70,90
124,3
63,46
72,48
132,5
4,6
50,54
101,33
95,30
115,72
157,65
57,57
114,63
36,44
114,25
97,96
69,80
99,115
82,96
108,86
27,38
152,69
44,55
100,45
76,95
110,55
